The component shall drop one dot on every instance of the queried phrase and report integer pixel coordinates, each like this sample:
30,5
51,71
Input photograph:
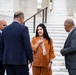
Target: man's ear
20,19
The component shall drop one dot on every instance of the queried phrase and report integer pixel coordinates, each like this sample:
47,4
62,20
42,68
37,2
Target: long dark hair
45,35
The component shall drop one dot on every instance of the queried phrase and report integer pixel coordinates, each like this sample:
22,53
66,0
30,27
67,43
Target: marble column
75,6
74,10
71,7
59,12
59,6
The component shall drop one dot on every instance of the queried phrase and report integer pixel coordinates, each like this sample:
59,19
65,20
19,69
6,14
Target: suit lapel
68,38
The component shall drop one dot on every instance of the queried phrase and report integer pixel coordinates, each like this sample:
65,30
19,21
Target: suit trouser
2,69
17,69
72,71
41,71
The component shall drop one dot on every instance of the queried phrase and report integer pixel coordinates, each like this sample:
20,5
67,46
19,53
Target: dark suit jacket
16,42
69,50
1,55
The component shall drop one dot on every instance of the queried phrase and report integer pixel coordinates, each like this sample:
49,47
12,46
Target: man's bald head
69,24
3,24
19,16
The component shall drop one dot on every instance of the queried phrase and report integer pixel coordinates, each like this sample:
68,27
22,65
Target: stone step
54,25
60,73
61,44
55,28
57,49
57,35
59,69
57,63
59,38
57,41
57,32
58,58
57,53
56,45
62,34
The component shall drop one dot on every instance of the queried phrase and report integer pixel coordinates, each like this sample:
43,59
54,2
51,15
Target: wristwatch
51,62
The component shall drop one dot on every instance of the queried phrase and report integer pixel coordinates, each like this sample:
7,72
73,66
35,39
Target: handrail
44,17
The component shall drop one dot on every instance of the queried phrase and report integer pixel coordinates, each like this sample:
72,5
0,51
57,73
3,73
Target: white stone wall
29,7
8,19
6,7
16,5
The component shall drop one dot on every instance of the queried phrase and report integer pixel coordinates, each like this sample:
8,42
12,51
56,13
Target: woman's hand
49,65
41,40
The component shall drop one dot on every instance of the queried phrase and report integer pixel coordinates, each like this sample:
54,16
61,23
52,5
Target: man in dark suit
3,24
17,47
69,50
